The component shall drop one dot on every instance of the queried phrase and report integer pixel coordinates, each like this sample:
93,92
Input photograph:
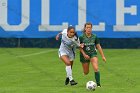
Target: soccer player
89,52
69,42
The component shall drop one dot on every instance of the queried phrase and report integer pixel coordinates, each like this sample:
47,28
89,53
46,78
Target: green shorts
83,60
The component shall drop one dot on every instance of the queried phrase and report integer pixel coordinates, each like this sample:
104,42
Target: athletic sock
69,72
97,77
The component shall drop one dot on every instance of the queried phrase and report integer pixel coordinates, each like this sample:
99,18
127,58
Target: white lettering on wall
45,21
82,17
121,10
24,19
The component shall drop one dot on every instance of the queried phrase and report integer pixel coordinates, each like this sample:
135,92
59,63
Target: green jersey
89,43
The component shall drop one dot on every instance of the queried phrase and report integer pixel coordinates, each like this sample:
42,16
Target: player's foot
72,82
98,85
67,81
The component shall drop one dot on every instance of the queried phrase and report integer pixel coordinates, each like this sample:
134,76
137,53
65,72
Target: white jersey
68,45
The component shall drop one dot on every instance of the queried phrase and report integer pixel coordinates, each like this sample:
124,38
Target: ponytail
76,36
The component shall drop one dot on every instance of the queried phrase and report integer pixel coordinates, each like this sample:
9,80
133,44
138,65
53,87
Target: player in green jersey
89,53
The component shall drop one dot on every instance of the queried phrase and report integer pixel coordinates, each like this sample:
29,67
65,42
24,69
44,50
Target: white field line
38,53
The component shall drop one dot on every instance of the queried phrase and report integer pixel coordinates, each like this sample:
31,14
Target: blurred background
35,23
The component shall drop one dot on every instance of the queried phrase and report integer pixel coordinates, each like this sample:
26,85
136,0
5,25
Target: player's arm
57,36
101,52
77,43
84,54
82,51
81,48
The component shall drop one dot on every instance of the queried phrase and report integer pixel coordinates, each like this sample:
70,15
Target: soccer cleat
98,85
72,82
67,81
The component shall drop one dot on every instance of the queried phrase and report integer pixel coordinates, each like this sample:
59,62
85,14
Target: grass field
36,70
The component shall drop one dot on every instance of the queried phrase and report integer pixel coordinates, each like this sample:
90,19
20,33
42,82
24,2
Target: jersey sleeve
81,39
76,41
97,41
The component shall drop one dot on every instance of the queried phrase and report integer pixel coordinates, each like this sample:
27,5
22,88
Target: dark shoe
67,81
72,82
98,85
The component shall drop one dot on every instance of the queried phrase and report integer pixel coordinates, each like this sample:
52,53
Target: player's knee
86,72
68,64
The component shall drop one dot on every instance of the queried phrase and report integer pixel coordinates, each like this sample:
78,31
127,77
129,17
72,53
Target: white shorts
70,54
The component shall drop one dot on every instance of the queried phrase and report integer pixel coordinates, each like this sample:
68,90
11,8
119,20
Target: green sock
97,77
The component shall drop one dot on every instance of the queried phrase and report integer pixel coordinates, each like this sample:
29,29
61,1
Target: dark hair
70,27
76,36
88,23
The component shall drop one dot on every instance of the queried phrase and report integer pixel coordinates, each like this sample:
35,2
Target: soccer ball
90,85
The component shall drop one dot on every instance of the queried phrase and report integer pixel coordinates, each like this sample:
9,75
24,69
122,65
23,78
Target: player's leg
72,57
85,66
71,64
66,60
68,69
67,78
94,62
68,64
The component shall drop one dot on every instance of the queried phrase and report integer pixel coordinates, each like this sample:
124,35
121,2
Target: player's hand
57,37
86,57
104,59
82,45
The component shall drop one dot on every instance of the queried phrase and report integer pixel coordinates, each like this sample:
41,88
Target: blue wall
67,11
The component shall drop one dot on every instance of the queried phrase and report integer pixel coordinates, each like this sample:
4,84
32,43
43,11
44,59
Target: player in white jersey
69,42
